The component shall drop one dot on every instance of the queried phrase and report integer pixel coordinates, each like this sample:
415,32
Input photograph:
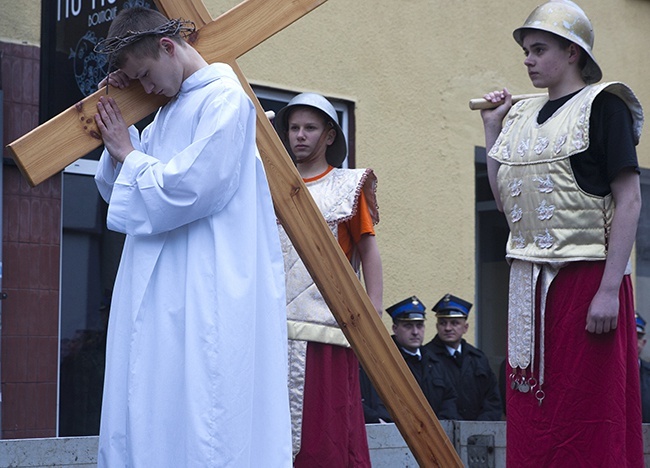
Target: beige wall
20,21
410,67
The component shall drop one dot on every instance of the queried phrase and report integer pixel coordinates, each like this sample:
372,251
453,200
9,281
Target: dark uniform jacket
644,368
473,379
429,374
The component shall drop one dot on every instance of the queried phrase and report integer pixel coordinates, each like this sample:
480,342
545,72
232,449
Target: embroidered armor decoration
506,152
547,195
545,240
544,184
541,145
522,148
516,213
519,240
545,210
578,141
515,187
559,143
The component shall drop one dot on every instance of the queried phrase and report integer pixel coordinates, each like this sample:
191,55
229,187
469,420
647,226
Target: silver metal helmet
337,151
565,19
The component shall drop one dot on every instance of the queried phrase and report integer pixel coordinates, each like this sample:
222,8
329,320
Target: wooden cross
57,143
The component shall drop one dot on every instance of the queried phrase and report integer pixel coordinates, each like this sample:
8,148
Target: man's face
546,60
308,135
451,330
162,75
409,334
641,341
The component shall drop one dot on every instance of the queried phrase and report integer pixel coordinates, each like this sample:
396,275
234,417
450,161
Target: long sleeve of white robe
196,352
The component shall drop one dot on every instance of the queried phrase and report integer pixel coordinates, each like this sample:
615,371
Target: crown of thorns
110,45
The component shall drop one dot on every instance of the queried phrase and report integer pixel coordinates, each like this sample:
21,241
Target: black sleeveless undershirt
611,148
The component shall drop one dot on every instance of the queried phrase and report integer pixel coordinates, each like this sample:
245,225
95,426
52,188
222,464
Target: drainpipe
2,294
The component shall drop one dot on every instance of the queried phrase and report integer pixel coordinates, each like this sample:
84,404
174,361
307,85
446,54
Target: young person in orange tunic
564,171
327,416
196,352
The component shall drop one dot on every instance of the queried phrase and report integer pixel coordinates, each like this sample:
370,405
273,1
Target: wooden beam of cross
225,39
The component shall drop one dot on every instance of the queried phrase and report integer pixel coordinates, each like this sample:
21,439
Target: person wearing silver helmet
564,171
327,416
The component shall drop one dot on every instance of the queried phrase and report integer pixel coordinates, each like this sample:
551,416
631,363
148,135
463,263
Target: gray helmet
337,151
567,20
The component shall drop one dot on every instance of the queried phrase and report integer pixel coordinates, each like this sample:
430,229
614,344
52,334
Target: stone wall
480,444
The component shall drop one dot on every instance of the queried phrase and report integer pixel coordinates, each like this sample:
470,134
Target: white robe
196,360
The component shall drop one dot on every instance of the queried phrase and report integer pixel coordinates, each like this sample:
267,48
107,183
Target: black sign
70,68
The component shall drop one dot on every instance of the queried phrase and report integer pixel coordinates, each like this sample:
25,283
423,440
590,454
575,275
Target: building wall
31,233
410,67
20,22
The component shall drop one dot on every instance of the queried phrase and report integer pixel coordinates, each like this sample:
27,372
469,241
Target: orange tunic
333,425
350,232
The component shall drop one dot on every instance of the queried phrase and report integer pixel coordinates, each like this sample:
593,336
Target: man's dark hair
139,21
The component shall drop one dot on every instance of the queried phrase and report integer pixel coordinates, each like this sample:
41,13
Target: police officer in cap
466,368
408,333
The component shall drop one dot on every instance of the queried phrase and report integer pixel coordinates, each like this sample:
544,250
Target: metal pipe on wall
2,295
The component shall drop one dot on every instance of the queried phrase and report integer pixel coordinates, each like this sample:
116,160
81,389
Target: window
492,271
89,257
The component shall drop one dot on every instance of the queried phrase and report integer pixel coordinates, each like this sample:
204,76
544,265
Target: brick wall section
31,246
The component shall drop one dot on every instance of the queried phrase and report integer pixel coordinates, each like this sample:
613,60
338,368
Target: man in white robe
196,353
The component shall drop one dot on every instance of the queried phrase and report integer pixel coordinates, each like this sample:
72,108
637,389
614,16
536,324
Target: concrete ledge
387,446
479,444
388,449
64,452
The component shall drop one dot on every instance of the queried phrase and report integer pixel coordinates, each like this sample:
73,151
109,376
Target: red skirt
333,427
591,415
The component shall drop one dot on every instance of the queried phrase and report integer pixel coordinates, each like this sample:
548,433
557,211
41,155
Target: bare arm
492,123
603,311
372,270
